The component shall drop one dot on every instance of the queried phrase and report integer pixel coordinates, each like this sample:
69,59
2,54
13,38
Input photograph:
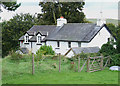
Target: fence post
101,63
109,61
59,62
78,64
88,64
32,63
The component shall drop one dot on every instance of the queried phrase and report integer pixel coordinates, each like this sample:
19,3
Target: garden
17,69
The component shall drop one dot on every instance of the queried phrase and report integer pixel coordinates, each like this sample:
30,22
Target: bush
38,57
115,60
107,49
46,50
15,56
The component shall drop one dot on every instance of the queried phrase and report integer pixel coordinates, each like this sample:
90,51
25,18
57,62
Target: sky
91,9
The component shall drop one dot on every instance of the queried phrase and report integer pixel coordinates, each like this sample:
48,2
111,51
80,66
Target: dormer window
26,38
38,39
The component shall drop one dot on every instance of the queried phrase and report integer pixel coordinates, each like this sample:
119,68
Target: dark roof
74,32
42,28
78,50
24,50
82,32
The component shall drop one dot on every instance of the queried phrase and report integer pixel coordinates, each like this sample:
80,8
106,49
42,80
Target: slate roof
24,50
42,28
78,50
75,32
78,32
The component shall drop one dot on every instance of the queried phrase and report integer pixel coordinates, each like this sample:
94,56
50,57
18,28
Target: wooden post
88,64
101,63
109,61
78,64
32,63
59,62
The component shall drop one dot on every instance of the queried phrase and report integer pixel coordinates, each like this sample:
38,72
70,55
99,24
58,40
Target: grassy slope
14,73
114,21
0,71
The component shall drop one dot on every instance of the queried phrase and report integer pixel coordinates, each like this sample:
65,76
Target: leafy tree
11,6
72,11
13,29
107,49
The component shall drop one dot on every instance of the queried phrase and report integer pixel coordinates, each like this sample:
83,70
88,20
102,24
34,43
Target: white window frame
26,38
39,38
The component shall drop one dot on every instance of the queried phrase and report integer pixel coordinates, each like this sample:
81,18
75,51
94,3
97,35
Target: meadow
47,72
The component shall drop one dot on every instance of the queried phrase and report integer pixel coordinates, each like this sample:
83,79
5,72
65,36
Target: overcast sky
91,9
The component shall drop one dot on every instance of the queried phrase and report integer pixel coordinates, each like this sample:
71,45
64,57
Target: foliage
46,50
15,56
38,56
115,60
13,29
11,6
72,11
116,32
107,49
14,73
82,55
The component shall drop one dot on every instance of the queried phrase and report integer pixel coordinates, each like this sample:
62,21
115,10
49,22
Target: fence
96,63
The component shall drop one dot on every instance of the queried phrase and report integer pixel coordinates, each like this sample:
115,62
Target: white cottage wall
74,44
100,39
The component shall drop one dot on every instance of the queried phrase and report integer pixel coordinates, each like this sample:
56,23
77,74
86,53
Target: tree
116,32
13,29
72,11
11,6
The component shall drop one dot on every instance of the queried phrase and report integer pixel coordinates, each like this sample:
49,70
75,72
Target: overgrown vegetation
108,50
47,70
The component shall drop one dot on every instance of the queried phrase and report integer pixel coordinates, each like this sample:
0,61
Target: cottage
64,36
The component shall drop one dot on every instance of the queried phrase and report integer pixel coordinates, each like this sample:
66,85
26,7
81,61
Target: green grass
0,71
45,73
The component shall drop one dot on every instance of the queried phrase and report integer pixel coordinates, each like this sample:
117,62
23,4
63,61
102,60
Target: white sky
91,9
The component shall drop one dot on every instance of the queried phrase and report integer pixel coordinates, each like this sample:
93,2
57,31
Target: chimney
100,22
61,21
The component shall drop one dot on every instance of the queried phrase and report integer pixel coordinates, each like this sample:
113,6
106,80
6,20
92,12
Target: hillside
114,21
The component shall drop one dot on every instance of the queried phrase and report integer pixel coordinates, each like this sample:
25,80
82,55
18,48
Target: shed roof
78,50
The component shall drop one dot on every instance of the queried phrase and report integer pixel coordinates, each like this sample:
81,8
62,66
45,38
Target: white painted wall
100,39
63,46
74,44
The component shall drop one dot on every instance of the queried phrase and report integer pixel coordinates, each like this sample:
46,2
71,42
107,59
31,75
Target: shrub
107,49
38,57
115,60
15,56
82,55
46,50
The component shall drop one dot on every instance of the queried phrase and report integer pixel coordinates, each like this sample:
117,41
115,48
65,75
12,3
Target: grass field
0,71
46,73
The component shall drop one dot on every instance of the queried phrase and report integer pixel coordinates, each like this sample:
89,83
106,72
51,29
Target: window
58,44
39,39
26,39
69,44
